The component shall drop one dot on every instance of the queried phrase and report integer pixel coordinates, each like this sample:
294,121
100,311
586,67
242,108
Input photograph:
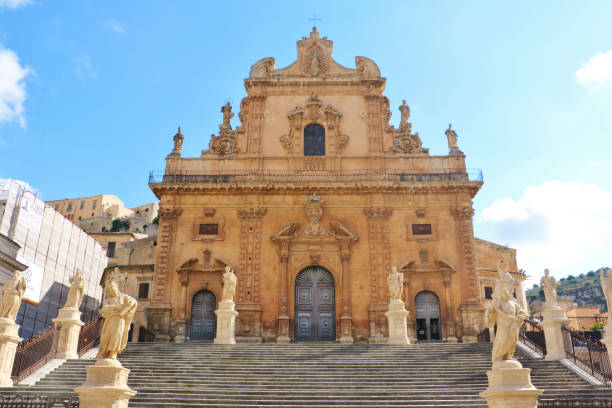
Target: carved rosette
314,111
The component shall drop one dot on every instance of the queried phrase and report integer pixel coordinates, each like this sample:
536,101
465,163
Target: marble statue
606,285
395,280
549,284
451,135
229,284
118,311
178,142
76,292
508,315
12,293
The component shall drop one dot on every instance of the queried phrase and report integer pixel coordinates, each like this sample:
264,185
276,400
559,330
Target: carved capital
462,213
381,213
252,213
172,212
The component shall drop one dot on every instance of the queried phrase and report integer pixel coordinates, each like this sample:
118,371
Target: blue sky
91,93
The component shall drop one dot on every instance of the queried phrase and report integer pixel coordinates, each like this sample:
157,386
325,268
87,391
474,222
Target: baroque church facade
312,200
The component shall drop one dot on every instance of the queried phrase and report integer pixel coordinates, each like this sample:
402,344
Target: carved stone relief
224,144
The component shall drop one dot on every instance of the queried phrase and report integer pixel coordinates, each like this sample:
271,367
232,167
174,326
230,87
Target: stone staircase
197,374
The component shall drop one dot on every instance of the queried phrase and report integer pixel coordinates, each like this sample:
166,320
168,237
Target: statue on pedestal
178,143
549,284
118,311
451,136
395,280
76,292
508,314
12,293
229,284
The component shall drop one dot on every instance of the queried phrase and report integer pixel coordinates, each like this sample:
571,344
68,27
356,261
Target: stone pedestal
68,323
398,328
346,323
510,386
226,323
607,340
553,320
8,345
283,329
105,386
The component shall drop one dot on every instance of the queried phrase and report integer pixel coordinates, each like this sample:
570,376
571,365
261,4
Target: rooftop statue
508,315
76,292
118,311
395,280
12,293
451,136
178,143
549,284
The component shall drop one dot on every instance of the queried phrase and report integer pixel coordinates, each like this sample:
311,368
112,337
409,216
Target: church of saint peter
312,200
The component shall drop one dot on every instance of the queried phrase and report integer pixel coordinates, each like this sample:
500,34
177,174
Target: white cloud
115,25
597,70
564,226
12,87
14,4
84,68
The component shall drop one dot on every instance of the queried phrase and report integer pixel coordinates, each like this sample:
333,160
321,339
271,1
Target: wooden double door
315,305
203,318
427,314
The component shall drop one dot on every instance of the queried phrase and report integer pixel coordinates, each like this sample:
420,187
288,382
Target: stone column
346,320
510,386
105,386
283,307
68,324
8,346
554,319
398,329
450,321
226,322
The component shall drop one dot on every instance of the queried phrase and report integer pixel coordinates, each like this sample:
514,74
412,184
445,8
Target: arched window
314,140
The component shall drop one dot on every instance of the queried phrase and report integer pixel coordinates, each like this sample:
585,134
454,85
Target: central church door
315,305
203,319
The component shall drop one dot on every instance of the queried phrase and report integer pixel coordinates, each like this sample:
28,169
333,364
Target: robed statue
117,311
12,293
549,284
229,284
76,292
395,280
508,315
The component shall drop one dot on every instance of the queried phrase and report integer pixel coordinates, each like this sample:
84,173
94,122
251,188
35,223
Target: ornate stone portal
315,245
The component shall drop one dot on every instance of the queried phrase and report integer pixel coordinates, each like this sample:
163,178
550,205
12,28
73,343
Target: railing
89,335
32,354
39,401
145,336
484,336
297,176
575,403
532,335
590,355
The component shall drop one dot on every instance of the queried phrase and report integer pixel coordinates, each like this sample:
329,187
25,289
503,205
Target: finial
179,130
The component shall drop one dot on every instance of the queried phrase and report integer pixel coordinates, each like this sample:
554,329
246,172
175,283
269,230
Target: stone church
312,200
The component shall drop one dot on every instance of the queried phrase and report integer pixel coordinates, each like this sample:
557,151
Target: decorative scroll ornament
314,111
314,212
225,143
404,141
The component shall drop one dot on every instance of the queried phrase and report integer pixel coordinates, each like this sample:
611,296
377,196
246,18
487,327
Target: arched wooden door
203,318
315,305
427,314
